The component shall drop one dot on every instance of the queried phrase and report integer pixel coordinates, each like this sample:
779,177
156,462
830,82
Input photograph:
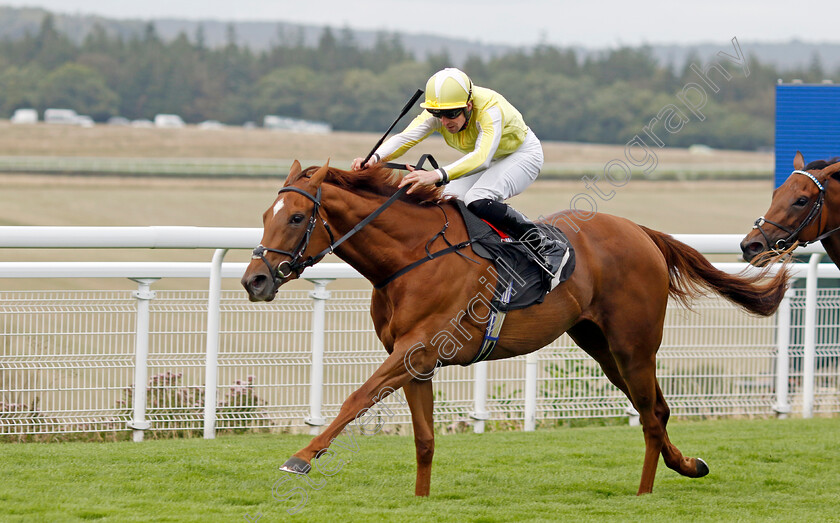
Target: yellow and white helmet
448,89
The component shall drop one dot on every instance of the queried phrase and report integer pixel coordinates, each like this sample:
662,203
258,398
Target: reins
430,255
296,264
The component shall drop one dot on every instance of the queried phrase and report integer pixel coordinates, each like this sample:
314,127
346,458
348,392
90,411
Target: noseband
784,243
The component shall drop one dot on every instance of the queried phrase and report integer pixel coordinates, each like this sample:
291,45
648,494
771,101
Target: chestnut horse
613,305
805,209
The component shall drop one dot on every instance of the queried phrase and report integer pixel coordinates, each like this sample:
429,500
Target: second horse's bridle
785,243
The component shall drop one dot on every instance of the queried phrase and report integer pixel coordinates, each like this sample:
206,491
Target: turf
761,470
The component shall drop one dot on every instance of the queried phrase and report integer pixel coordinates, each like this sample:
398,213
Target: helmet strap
467,115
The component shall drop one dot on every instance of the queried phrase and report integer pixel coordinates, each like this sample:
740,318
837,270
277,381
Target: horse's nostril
255,283
752,249
258,282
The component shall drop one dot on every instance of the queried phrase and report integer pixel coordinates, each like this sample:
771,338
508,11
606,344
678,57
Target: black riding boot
517,225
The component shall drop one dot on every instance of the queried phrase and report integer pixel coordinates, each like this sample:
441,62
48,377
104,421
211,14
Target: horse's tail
689,272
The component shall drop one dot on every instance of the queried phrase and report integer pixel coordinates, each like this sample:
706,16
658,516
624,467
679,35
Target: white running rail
509,396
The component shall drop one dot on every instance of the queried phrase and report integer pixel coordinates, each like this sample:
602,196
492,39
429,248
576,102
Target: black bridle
793,234
296,264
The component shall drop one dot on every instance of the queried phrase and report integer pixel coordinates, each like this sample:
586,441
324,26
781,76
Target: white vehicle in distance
119,121
285,123
25,116
85,120
61,116
211,124
172,121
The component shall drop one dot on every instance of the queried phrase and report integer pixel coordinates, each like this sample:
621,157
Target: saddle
522,282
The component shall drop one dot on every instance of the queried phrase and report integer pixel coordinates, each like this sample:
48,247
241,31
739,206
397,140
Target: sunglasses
446,113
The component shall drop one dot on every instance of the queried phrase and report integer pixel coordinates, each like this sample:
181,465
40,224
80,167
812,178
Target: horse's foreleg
421,402
390,376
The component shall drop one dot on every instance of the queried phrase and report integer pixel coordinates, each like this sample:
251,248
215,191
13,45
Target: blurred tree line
603,99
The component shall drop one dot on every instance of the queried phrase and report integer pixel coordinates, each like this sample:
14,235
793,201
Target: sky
588,23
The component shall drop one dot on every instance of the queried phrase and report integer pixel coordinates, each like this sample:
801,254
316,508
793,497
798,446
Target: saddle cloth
528,282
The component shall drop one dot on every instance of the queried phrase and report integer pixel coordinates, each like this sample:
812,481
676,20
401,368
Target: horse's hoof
702,468
295,465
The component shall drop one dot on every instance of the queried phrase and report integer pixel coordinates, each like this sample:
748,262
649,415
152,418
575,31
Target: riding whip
405,109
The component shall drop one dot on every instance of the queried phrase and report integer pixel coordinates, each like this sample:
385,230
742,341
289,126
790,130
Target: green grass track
761,470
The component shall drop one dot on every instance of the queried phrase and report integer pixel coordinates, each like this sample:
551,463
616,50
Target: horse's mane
377,180
821,164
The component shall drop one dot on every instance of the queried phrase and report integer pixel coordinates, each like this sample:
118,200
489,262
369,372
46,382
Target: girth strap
494,327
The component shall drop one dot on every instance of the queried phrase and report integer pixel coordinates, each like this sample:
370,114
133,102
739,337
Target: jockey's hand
419,178
357,163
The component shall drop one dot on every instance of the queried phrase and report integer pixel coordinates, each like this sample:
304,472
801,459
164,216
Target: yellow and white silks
496,143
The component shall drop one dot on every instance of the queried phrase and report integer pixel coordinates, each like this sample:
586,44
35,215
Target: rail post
143,295
810,337
782,406
479,413
211,364
633,418
531,361
316,386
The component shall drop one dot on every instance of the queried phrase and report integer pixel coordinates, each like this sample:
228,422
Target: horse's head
292,236
794,214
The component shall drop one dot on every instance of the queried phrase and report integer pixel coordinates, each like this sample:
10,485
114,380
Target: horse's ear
798,161
832,170
320,174
294,172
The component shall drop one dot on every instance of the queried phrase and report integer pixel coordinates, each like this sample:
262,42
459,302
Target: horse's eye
801,201
296,219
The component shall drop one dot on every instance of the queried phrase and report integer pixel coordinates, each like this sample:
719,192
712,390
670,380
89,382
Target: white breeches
505,178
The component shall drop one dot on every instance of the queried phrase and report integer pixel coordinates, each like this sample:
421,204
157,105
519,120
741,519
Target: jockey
502,156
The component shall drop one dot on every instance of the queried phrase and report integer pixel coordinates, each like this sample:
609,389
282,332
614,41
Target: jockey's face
454,125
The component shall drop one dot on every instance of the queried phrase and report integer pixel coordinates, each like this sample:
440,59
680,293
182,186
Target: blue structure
807,120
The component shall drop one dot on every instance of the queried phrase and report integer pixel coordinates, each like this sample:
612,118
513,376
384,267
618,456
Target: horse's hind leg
591,339
674,460
631,368
636,364
636,361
